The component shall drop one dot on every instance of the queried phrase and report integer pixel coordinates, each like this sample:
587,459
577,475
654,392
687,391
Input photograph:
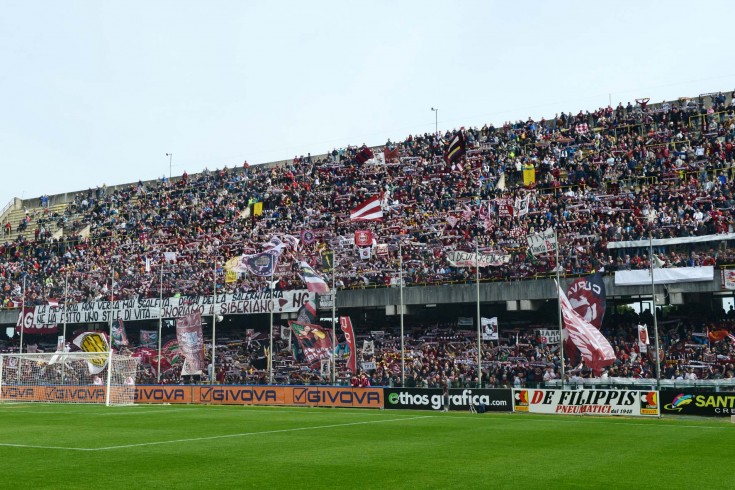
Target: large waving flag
587,297
456,149
314,282
370,210
315,343
594,347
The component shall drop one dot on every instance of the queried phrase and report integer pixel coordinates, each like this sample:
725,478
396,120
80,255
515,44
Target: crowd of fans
615,174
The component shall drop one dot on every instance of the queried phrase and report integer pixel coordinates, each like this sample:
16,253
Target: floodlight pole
170,158
436,120
160,323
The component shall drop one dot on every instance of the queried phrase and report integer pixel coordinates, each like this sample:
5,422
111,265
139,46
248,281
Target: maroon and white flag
314,282
191,343
594,347
27,323
643,338
370,210
346,324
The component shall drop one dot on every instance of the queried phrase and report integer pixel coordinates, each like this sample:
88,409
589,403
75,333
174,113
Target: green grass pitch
153,446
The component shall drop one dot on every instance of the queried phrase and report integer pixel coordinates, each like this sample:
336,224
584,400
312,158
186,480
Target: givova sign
583,402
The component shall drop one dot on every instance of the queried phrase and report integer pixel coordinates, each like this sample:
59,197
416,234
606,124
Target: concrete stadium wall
497,292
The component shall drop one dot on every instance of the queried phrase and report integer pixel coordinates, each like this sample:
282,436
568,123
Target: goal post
68,377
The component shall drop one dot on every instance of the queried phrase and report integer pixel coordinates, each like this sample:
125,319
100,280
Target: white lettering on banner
605,402
471,259
143,309
549,336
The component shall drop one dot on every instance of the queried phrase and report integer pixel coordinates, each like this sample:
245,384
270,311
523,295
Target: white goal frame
68,377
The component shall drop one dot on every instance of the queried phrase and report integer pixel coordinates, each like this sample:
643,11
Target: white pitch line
210,438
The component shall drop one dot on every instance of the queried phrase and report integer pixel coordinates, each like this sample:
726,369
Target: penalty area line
211,438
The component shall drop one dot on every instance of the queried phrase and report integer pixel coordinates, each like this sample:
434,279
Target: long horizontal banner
708,404
664,276
587,402
313,396
146,309
471,259
493,400
659,242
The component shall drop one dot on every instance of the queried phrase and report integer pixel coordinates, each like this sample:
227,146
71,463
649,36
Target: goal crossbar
68,377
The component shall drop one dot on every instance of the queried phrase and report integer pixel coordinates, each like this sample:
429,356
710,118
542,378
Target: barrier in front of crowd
702,403
493,400
313,396
628,402
633,403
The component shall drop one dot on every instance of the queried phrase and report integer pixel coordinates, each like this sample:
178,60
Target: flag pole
653,310
334,317
22,316
66,301
270,351
400,285
479,318
214,324
160,323
109,360
558,298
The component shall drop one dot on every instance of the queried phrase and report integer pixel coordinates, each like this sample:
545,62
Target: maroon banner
346,324
29,326
313,340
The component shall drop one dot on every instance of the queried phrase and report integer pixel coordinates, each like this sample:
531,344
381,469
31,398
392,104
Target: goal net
68,377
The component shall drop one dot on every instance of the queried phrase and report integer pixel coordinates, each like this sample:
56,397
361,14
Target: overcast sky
98,92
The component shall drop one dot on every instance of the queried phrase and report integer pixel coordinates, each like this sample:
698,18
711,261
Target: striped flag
594,347
314,282
455,151
731,337
370,210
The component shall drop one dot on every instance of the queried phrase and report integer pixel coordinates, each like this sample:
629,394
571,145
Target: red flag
346,324
594,347
313,340
370,210
363,238
390,154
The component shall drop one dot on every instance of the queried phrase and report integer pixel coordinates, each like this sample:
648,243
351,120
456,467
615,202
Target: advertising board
494,400
708,404
587,402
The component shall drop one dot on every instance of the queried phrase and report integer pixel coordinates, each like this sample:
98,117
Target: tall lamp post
170,158
436,120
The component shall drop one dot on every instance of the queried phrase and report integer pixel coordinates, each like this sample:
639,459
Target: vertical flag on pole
346,324
643,338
